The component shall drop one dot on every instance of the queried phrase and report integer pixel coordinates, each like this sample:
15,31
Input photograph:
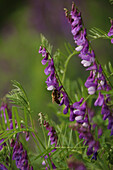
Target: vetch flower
52,133
77,112
110,33
64,101
20,156
52,82
100,100
105,111
75,164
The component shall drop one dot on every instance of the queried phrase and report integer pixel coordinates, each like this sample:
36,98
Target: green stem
110,75
35,142
58,75
44,135
86,99
66,64
39,140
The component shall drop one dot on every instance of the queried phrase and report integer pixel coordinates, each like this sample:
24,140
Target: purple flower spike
52,133
20,156
100,100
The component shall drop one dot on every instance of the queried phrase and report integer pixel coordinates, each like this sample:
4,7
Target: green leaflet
7,119
25,118
13,118
45,43
18,96
109,69
3,120
97,33
17,118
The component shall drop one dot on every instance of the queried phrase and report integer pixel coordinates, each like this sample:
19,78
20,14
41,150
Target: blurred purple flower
2,167
52,133
110,33
20,156
100,100
3,108
74,164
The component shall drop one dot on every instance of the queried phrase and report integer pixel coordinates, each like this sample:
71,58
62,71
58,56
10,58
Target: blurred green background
21,23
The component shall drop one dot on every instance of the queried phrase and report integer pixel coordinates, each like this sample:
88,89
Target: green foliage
108,69
8,134
45,43
97,33
18,96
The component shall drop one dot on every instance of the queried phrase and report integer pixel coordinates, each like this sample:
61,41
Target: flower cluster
52,133
20,156
75,164
53,138
95,83
83,126
52,80
18,153
77,111
96,80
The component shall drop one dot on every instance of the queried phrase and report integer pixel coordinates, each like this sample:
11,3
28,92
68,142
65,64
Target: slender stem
110,75
86,99
44,135
39,140
66,64
35,142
